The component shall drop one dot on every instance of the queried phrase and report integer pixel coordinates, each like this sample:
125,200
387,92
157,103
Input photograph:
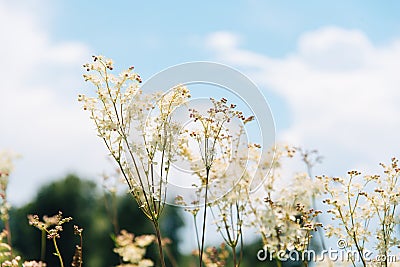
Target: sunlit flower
11,263
34,264
284,217
136,128
357,200
132,249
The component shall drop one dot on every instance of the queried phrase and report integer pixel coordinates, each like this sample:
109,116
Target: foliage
82,200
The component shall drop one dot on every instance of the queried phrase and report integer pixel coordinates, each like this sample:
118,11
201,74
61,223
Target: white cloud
341,89
39,115
334,49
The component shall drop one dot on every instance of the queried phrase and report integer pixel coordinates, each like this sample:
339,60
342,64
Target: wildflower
137,129
217,160
133,249
34,264
6,250
52,226
144,240
11,263
6,167
284,218
357,200
57,221
214,257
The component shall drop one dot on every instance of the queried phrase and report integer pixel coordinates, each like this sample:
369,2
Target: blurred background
329,71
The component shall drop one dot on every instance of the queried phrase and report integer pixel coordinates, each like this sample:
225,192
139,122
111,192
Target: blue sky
328,69
156,35
270,27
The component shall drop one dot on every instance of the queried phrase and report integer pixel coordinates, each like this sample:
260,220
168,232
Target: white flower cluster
4,247
211,148
11,263
218,159
136,128
6,167
34,264
284,216
6,258
214,257
230,210
132,249
55,222
365,207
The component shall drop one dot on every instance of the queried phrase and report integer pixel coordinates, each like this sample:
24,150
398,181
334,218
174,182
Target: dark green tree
74,197
82,200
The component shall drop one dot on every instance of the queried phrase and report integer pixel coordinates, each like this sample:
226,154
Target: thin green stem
43,246
58,252
8,230
197,232
314,205
204,219
241,249
159,240
81,241
234,256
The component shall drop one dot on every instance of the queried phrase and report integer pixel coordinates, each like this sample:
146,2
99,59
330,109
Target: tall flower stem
234,256
7,227
309,166
6,221
43,246
197,231
159,240
58,252
204,219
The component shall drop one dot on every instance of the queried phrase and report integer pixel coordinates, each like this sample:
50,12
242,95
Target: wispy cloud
39,115
341,89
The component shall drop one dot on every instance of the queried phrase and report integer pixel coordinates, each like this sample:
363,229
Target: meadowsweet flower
216,160
212,132
52,226
34,264
57,221
5,248
213,256
11,263
133,249
284,217
357,200
144,240
137,129
77,259
6,167
235,170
